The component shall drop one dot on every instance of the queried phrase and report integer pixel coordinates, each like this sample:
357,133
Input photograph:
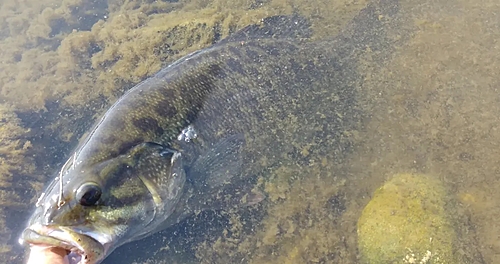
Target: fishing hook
60,201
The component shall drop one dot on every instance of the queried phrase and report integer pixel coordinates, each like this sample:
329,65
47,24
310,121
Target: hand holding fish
47,255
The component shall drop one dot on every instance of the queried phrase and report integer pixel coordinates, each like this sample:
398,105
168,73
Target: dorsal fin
276,27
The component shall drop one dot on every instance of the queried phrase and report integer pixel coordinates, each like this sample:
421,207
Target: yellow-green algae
76,52
435,111
13,148
407,221
429,113
303,224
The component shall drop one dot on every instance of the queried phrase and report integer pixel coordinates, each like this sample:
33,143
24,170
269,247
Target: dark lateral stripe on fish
163,107
147,125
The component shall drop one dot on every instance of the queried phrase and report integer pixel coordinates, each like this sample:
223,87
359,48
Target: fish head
91,210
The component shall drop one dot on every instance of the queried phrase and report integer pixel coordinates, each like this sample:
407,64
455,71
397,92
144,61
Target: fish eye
88,194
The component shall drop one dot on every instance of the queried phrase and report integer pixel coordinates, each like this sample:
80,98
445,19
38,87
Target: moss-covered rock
407,221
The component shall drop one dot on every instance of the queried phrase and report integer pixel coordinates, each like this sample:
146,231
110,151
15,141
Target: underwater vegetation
433,110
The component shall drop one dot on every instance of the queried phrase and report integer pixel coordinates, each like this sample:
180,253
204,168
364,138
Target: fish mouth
81,248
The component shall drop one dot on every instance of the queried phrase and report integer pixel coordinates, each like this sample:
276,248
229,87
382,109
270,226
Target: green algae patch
13,161
407,221
307,220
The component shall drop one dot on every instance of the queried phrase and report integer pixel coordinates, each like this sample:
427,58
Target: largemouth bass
197,134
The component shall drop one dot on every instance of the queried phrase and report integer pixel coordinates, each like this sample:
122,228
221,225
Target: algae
407,221
63,62
13,161
76,51
303,224
434,110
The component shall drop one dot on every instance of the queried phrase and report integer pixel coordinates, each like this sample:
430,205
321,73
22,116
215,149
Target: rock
408,221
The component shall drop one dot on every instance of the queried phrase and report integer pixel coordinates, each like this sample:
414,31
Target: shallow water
431,107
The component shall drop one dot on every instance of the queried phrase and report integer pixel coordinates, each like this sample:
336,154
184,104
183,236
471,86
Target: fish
198,134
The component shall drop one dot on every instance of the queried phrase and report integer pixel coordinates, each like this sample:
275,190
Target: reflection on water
431,108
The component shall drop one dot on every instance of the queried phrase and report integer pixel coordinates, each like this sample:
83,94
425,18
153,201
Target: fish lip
73,249
53,236
55,241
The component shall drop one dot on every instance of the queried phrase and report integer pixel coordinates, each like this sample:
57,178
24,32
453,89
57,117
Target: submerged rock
408,220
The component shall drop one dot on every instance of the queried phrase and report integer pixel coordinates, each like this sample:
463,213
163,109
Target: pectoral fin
219,164
216,177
